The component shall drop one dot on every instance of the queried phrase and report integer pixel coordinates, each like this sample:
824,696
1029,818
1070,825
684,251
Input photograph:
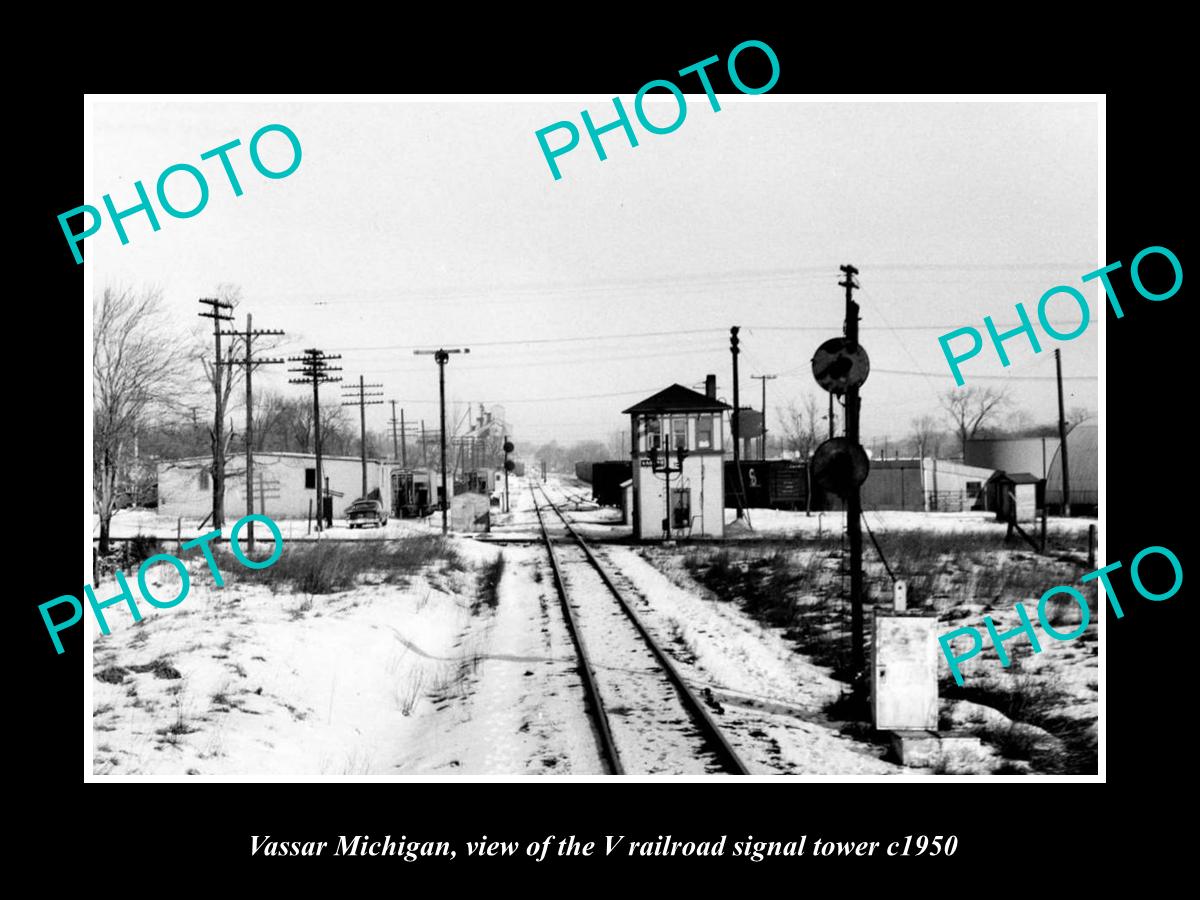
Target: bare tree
799,425
969,410
136,369
926,436
270,417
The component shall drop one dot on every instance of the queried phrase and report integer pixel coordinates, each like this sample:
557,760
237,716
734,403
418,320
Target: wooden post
179,535
1091,546
309,529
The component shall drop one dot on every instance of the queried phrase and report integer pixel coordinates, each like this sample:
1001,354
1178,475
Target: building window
310,479
653,435
973,487
204,480
704,431
679,433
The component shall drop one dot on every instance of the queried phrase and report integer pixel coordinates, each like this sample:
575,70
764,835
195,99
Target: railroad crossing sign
840,465
838,368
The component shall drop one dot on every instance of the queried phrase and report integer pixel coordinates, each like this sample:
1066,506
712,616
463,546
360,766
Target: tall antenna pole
441,357
249,363
853,499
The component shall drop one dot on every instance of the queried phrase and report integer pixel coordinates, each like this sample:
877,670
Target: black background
175,835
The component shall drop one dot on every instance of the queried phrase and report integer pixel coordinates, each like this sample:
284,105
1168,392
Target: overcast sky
425,224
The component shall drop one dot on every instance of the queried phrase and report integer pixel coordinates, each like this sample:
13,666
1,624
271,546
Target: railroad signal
837,366
839,466
841,366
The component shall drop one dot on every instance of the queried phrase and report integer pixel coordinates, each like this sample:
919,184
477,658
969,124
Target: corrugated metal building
929,485
1083,462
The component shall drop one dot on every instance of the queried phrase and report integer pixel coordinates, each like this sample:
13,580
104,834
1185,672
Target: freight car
769,484
606,481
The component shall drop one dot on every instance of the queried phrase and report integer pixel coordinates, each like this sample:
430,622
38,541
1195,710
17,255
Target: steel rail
608,748
708,726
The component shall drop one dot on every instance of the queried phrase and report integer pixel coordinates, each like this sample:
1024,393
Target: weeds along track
647,719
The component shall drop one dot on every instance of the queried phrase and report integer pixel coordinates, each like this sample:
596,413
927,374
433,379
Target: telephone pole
762,446
1062,440
249,364
218,471
853,498
314,369
400,438
737,465
442,356
362,403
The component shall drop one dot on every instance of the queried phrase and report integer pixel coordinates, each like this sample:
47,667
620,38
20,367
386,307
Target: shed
470,512
1014,495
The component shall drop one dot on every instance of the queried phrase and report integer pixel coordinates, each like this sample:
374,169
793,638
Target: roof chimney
710,387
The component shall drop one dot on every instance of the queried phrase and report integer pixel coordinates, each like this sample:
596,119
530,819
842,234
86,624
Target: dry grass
328,567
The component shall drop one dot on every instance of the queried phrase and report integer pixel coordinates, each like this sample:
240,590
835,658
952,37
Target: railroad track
647,718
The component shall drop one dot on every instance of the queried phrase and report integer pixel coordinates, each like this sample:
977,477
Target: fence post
1091,546
309,530
1043,527
179,536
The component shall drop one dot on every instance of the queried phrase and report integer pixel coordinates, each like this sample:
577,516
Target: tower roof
677,398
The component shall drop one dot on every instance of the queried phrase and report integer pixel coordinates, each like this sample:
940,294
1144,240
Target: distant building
673,419
284,485
924,485
1015,496
1027,454
1083,460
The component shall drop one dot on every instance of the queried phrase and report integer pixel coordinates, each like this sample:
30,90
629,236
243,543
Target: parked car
366,512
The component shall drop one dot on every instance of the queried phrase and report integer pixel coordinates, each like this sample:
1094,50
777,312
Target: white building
284,485
674,419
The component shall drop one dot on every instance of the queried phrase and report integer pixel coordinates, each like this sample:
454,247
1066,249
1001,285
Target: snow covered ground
379,680
426,676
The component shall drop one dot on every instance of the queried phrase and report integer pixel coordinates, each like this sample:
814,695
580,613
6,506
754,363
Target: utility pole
737,466
249,363
762,445
403,431
218,471
441,357
424,451
853,499
314,369
395,449
362,403
1062,439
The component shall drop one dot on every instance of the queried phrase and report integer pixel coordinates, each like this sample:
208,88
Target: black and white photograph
502,437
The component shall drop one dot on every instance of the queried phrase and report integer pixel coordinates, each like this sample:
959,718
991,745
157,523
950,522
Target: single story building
923,485
284,485
1015,495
